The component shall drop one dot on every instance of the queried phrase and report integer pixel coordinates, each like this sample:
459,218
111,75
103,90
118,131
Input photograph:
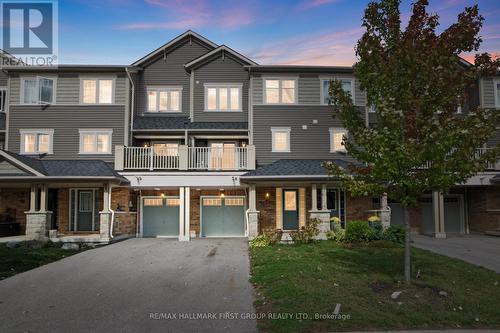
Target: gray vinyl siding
169,72
220,71
68,87
309,88
4,80
495,139
312,143
66,121
488,91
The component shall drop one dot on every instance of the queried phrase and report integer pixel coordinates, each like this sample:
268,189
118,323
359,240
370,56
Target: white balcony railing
477,154
185,158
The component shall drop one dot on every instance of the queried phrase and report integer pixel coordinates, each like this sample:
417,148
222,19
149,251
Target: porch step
493,233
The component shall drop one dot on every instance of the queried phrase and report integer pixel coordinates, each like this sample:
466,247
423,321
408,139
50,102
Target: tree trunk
407,246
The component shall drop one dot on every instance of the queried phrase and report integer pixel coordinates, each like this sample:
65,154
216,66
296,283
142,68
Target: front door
223,155
290,210
85,210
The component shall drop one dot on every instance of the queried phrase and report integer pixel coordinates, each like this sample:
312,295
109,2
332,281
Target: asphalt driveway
138,285
476,249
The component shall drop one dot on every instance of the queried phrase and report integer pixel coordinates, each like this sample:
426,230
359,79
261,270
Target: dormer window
38,90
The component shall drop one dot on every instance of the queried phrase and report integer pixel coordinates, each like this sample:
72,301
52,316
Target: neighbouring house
197,140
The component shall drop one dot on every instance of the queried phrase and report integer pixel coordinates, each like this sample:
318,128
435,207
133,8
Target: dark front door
85,210
290,210
52,207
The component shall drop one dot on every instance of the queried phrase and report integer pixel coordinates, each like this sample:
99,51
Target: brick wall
484,208
357,207
267,208
125,222
16,200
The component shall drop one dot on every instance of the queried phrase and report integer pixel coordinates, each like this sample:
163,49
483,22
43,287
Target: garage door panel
223,217
160,217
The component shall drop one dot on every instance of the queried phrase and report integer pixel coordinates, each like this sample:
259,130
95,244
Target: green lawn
26,257
313,278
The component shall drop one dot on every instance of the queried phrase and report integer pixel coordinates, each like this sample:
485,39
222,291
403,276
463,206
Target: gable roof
222,48
188,33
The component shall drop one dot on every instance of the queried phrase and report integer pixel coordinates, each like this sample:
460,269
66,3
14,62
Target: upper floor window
37,90
36,141
337,135
280,91
166,149
347,86
223,97
3,99
164,99
95,141
97,91
280,139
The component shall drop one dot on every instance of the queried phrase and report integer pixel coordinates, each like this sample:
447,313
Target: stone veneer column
37,221
324,214
385,212
105,216
253,214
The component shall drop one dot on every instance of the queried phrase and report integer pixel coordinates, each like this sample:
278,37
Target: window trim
497,93
95,132
286,130
280,79
37,78
206,86
45,131
333,130
97,79
159,88
330,78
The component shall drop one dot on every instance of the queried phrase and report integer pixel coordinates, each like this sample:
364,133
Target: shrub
357,231
268,237
306,234
337,234
376,230
395,233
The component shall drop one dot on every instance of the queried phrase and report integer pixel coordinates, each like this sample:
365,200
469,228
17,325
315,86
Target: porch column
323,214
105,216
385,212
438,214
185,202
253,214
37,221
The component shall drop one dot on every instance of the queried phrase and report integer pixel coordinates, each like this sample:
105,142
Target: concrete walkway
138,285
476,249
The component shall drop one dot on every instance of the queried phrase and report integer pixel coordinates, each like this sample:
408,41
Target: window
497,93
223,97
172,202
36,141
164,99
166,149
347,86
153,202
336,139
97,91
212,202
280,139
38,90
95,141
3,99
280,91
234,202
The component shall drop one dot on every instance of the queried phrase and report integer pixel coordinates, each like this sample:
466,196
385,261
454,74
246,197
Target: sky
312,32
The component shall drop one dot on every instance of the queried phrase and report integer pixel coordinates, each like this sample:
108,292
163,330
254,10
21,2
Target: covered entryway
160,217
222,216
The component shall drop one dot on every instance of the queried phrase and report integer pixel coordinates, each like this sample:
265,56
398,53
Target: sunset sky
315,32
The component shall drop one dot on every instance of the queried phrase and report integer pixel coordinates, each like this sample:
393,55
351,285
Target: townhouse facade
197,140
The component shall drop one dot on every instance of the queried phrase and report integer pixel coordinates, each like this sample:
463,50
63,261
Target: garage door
453,215
222,216
160,217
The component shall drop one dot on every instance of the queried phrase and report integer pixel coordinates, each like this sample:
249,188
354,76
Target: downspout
112,212
132,106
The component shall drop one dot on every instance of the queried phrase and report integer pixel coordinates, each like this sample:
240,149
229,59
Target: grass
313,278
28,256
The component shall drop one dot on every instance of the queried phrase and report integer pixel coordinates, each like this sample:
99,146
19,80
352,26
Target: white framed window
38,90
280,90
280,139
3,99
95,141
347,86
166,149
164,99
223,97
497,93
97,90
36,141
336,139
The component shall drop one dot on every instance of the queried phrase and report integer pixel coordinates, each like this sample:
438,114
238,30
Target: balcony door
223,155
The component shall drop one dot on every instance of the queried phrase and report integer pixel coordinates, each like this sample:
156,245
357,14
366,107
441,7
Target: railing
477,154
185,158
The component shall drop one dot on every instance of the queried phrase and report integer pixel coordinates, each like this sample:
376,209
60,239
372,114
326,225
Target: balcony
477,154
185,158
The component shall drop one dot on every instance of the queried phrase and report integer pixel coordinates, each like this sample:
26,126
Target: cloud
308,4
185,14
331,48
